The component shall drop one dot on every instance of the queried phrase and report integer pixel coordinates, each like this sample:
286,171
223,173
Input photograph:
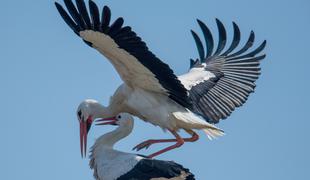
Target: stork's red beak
106,121
84,128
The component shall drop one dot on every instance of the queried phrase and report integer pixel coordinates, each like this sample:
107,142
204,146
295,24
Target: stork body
173,121
217,82
152,107
110,164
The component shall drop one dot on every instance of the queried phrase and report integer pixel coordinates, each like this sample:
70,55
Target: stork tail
213,133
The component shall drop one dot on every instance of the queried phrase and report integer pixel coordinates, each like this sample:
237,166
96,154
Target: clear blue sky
46,70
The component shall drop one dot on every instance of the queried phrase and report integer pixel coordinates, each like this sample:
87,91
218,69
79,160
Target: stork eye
119,116
80,114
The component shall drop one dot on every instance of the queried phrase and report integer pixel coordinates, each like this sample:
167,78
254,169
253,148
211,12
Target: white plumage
195,76
111,164
108,163
216,84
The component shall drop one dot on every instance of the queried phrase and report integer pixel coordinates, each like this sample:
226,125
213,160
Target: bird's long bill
106,121
83,138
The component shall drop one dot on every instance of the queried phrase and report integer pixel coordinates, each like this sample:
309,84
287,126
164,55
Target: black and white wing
218,82
136,65
148,169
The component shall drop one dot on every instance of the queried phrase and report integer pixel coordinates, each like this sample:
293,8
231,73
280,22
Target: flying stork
110,164
217,82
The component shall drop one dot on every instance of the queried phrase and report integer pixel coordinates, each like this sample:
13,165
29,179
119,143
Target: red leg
194,137
148,143
179,142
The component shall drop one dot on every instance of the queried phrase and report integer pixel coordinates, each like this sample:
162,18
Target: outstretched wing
136,65
152,168
221,81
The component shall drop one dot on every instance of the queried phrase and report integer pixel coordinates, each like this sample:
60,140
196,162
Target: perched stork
110,164
215,85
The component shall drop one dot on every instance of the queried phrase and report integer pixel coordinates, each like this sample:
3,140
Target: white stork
110,164
215,85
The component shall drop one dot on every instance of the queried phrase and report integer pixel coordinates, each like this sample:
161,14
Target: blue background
46,71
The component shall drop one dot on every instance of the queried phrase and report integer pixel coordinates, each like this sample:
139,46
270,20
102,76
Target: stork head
86,113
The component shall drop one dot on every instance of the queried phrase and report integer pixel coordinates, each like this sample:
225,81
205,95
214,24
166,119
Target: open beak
84,128
106,121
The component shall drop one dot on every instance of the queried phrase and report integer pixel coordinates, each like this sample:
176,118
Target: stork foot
144,144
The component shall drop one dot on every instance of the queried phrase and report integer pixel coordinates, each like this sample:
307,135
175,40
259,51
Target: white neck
108,163
108,140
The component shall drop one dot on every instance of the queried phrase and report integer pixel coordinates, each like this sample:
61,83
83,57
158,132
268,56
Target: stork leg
179,141
146,144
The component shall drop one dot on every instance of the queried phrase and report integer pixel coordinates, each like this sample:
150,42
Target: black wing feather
116,27
235,41
235,73
105,19
83,11
147,169
208,38
199,46
247,45
222,37
94,12
67,18
126,39
255,52
75,14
